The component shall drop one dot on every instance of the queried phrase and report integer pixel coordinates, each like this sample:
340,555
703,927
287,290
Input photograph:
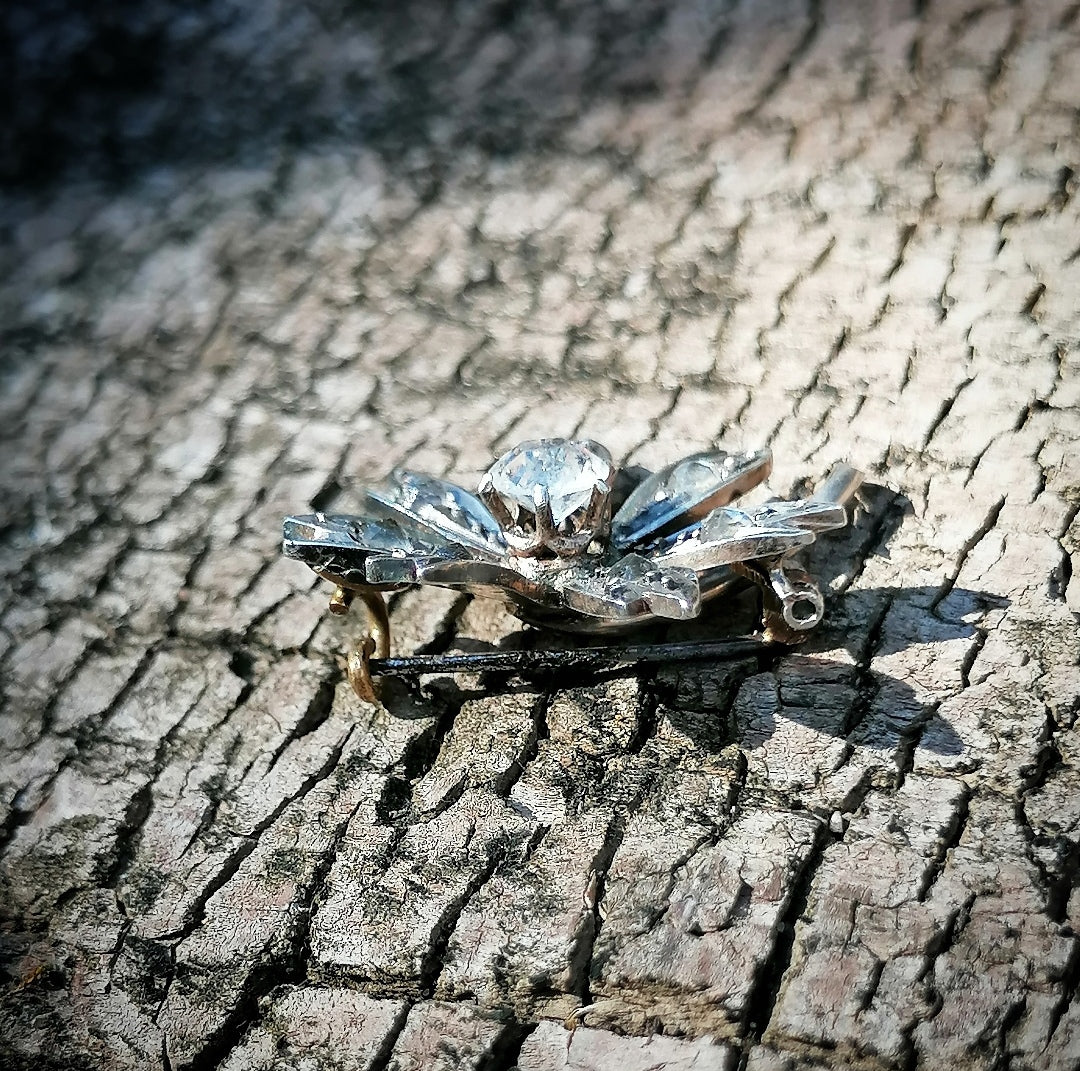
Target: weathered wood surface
847,230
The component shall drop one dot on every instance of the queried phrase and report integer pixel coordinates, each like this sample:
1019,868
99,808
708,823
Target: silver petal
730,535
685,492
377,531
810,513
486,578
456,513
633,587
345,546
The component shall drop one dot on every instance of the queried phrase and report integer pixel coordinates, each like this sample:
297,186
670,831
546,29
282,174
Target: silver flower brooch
548,533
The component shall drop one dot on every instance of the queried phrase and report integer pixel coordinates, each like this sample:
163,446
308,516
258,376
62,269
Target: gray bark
849,231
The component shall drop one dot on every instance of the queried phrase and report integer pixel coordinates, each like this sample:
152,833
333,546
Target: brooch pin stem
584,659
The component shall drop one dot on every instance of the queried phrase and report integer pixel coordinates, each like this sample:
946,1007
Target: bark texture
348,238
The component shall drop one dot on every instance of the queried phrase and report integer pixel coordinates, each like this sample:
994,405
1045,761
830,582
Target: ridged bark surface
348,238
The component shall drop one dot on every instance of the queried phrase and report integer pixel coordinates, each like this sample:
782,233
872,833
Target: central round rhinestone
567,471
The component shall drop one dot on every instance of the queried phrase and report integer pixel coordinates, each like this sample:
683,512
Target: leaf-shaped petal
730,535
685,492
377,531
456,513
811,513
342,546
632,587
486,578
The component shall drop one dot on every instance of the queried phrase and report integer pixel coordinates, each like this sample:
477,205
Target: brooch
569,543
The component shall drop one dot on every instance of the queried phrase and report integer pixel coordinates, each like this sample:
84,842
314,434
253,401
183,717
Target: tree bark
344,241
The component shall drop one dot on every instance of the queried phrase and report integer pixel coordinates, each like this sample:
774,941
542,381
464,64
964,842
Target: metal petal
456,513
486,578
633,587
809,513
730,535
345,547
685,492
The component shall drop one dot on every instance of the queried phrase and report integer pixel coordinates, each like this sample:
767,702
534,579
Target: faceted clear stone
567,470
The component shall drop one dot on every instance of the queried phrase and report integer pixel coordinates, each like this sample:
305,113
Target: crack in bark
380,1061
317,712
800,50
506,1050
888,518
83,737
435,959
505,784
249,842
945,409
952,836
268,974
581,956
985,527
1070,981
762,999
910,738
907,232
215,789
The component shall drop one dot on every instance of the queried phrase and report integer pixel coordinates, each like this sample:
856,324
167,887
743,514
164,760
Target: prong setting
495,504
552,496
